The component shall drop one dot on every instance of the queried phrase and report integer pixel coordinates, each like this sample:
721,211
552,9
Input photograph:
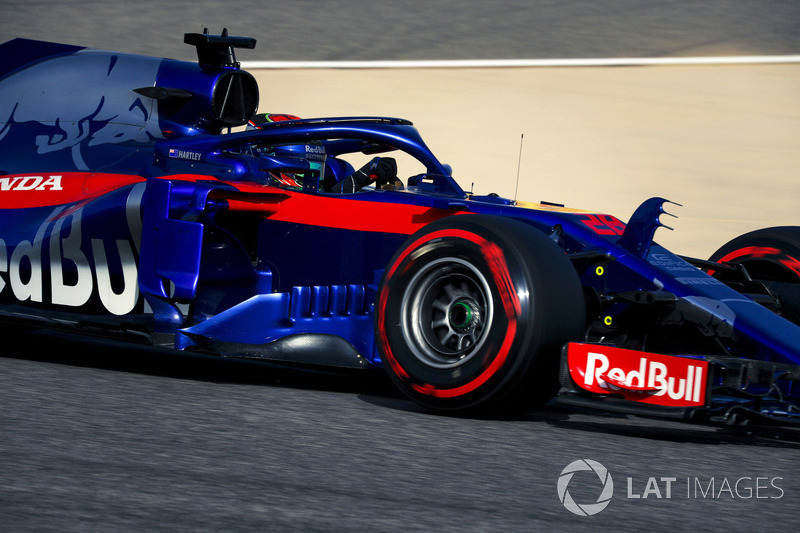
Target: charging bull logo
76,102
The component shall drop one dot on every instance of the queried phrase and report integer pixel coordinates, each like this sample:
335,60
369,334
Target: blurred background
419,29
723,141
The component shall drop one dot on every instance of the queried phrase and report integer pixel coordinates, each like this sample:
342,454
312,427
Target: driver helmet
256,122
310,154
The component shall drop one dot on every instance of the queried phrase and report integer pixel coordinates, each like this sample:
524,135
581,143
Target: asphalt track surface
97,437
100,438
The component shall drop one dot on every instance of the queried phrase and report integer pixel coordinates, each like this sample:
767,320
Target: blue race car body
128,210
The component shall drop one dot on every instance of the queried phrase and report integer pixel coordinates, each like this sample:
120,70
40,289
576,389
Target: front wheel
473,311
771,256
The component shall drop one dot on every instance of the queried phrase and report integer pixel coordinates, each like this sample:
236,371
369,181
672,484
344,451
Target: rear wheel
771,256
472,313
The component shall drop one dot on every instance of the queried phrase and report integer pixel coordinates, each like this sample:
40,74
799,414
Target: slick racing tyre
472,313
771,256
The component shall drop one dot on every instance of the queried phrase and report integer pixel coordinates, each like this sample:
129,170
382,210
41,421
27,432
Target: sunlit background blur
723,141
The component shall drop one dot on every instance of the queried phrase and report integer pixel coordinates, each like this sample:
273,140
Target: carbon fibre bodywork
126,210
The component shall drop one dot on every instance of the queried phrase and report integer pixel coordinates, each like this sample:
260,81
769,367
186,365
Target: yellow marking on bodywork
548,207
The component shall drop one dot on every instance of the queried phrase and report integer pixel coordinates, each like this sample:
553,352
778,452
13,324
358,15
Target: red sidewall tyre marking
496,261
761,252
751,251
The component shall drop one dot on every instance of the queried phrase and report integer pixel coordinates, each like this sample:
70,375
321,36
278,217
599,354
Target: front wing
688,387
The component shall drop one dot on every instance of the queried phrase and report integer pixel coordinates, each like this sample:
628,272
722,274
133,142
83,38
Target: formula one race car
130,208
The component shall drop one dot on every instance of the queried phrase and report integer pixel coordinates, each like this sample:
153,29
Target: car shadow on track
593,421
94,352
371,386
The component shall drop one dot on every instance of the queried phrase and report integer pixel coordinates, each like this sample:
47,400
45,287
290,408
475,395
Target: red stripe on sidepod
359,215
20,191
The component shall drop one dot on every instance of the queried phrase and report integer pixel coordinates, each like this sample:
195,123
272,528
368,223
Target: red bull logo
658,379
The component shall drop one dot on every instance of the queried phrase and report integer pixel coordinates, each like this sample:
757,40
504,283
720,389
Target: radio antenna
519,164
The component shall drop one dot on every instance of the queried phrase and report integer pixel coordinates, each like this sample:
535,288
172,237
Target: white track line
517,63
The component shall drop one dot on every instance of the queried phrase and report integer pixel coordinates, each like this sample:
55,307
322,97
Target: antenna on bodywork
519,165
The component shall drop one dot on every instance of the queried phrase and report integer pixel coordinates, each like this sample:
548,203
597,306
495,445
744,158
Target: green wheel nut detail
461,315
